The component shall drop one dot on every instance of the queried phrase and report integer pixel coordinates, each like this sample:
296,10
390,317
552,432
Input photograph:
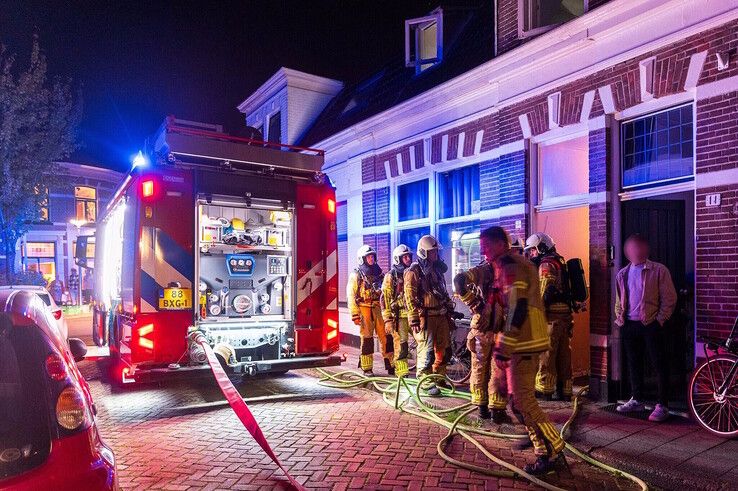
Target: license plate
175,299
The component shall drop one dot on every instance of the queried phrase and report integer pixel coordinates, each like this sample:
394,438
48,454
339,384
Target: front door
662,223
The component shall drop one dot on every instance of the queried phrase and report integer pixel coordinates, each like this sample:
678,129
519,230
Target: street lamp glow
77,222
139,160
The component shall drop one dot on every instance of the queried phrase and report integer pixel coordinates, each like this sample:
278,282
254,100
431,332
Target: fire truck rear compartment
246,281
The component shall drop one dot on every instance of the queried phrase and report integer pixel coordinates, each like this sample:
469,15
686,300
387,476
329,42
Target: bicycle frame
731,374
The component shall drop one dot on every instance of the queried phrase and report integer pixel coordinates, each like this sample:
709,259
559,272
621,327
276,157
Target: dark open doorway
667,222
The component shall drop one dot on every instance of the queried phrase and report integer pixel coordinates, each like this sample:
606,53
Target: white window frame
435,16
522,11
461,218
560,202
647,189
266,124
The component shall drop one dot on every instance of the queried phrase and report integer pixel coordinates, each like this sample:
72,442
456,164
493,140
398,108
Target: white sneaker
629,407
659,414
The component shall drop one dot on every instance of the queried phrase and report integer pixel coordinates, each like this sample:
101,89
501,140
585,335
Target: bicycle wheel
412,353
458,369
716,413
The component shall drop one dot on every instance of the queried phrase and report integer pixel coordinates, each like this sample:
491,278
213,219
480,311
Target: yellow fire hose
390,388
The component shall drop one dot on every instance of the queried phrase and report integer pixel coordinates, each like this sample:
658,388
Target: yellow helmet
237,224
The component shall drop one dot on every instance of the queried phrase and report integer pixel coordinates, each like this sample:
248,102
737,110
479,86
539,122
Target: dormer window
424,41
538,16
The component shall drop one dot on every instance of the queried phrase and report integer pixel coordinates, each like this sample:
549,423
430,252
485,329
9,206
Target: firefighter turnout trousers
521,383
555,364
487,383
434,337
371,323
399,336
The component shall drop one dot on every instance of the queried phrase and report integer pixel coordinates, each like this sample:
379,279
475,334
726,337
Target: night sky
136,62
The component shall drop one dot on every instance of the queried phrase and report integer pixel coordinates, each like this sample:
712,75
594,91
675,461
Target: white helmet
363,252
541,242
400,251
516,242
427,243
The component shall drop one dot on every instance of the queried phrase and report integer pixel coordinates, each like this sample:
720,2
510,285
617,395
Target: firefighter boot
401,366
560,394
545,465
388,366
484,412
500,416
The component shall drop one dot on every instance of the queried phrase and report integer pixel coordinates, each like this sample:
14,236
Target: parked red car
48,436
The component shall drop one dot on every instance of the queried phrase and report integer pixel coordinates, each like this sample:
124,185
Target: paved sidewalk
180,436
676,454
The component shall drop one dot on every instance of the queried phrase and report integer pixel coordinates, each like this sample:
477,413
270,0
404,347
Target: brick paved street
327,438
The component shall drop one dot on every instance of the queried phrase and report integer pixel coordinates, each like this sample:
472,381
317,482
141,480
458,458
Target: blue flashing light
140,160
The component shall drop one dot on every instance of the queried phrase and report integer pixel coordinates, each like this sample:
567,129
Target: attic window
538,16
424,41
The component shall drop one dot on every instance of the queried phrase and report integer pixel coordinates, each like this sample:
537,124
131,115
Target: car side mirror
78,348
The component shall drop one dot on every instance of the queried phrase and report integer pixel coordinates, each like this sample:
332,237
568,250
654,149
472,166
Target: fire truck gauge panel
240,264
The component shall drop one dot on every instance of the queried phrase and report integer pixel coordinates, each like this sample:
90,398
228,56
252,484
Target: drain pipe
494,41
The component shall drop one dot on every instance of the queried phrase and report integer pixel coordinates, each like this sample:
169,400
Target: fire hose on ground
391,387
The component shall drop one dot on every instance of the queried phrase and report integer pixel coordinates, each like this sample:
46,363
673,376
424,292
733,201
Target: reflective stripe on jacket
519,281
394,295
359,292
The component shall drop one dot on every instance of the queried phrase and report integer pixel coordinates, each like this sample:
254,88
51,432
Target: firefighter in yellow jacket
554,372
523,338
393,305
362,292
478,288
428,309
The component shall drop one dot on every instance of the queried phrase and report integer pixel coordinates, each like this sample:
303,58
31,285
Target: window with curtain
458,192
658,147
412,201
411,236
449,233
85,199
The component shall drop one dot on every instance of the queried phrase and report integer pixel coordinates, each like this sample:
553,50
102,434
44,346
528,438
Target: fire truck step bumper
276,366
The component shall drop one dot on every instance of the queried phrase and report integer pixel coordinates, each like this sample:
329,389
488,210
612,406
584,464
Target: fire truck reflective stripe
331,266
309,282
163,260
240,408
149,291
333,305
174,254
146,306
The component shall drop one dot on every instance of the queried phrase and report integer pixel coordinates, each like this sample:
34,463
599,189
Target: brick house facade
559,124
48,246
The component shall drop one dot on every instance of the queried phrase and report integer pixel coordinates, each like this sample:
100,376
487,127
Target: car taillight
331,206
71,412
56,367
57,314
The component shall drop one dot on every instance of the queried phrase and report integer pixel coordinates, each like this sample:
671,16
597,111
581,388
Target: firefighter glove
356,318
415,326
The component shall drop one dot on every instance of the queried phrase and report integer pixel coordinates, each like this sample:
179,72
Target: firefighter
428,310
362,292
393,305
554,372
519,345
478,289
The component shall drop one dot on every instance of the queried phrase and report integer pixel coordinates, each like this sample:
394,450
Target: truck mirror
81,251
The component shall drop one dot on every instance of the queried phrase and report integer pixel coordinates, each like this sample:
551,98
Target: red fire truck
229,236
